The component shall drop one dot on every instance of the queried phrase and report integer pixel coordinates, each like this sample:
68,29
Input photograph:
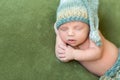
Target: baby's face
74,33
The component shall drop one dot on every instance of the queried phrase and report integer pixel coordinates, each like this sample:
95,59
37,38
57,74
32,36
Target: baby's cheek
63,38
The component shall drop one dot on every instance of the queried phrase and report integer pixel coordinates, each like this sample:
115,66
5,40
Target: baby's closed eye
63,28
78,28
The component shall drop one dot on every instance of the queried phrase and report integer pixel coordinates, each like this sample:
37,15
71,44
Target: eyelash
64,29
78,28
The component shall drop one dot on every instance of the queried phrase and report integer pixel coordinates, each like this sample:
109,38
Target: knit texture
80,10
71,10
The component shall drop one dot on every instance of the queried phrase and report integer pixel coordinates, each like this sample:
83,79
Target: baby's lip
71,41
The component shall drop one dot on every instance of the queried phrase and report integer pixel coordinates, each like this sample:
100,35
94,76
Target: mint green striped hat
80,10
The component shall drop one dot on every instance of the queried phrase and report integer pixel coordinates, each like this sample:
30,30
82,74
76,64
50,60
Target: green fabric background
27,40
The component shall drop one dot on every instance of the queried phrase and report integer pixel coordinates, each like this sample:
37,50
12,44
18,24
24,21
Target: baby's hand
69,55
65,53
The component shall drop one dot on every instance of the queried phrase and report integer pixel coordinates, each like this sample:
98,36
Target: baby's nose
70,32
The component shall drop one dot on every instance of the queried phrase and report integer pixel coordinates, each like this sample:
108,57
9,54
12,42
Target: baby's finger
61,51
62,47
64,59
61,56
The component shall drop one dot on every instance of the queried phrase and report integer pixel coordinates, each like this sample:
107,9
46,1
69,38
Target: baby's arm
67,53
92,53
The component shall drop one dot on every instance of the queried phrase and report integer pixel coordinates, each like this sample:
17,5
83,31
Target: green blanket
27,40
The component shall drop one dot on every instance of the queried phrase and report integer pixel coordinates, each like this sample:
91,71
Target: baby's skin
73,43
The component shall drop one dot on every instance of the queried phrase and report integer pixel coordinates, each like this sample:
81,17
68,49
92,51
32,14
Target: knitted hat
80,10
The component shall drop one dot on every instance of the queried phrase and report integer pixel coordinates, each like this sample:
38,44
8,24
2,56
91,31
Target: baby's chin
74,46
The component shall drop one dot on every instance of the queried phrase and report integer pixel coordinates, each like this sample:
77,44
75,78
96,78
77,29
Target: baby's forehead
73,23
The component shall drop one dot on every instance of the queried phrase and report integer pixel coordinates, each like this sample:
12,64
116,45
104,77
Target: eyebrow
63,26
78,26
